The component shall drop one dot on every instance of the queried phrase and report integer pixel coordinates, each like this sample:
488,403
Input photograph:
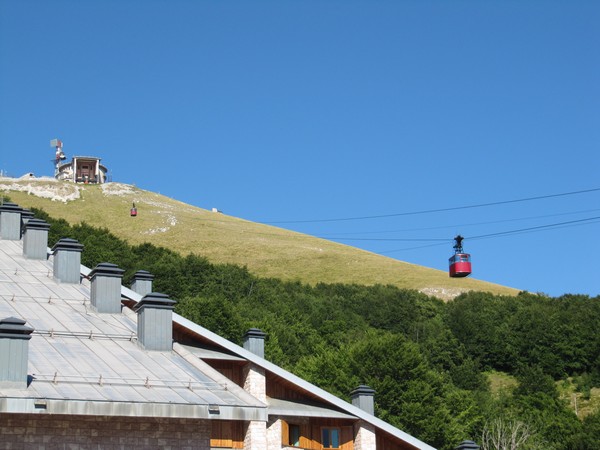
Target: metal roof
83,362
302,384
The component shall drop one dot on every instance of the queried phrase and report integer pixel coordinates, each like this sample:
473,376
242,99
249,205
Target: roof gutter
141,409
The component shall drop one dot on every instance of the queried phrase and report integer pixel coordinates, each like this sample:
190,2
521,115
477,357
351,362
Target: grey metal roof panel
79,357
297,409
134,393
212,353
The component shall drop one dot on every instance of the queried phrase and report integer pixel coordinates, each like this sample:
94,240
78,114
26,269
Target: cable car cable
429,211
533,228
441,227
470,238
568,224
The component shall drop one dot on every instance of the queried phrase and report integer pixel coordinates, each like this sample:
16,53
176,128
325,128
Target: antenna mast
59,156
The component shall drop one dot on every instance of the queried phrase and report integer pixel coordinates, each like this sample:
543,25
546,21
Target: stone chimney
255,383
364,432
363,397
254,341
105,291
67,260
10,221
155,322
142,282
35,239
14,353
253,375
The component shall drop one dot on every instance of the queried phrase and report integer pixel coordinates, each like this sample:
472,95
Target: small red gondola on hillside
460,262
133,211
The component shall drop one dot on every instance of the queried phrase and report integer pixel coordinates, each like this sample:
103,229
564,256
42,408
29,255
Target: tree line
426,359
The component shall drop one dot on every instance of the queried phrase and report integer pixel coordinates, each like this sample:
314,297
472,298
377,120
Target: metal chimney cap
363,389
255,333
107,270
67,244
155,300
26,214
37,224
13,327
10,207
143,275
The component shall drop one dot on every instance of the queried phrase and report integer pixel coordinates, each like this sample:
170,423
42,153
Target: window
331,437
294,435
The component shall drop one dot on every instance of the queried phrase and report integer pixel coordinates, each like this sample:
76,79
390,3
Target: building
82,169
86,362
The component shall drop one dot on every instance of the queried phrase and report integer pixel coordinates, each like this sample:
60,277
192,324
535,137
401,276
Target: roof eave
136,409
318,392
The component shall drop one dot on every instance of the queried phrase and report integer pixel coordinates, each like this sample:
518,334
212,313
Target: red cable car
133,211
460,262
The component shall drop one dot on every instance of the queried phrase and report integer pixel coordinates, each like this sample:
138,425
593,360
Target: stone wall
27,431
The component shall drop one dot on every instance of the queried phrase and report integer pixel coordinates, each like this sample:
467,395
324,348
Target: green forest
522,369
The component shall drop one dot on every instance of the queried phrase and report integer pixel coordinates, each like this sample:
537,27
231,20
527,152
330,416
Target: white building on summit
81,169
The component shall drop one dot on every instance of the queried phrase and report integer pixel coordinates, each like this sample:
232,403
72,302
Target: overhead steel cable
430,211
386,239
442,241
462,225
569,223
521,230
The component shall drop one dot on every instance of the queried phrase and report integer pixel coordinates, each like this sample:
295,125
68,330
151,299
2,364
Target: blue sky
299,113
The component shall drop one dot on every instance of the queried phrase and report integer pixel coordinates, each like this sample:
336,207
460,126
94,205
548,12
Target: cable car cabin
460,265
133,212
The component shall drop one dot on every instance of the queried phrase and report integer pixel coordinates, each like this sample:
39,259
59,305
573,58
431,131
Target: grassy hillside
503,384
265,250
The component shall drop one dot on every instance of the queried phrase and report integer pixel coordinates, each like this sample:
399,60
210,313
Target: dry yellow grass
265,250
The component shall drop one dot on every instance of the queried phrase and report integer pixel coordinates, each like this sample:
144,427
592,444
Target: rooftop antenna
59,156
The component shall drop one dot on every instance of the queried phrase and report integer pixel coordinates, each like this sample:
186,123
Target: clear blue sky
292,111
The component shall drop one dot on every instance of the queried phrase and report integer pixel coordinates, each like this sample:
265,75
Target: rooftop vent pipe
254,341
10,221
105,291
363,397
142,282
14,353
67,260
155,321
26,216
35,239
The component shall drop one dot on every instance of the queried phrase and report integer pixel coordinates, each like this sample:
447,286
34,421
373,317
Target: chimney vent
254,341
14,353
142,282
155,321
363,398
35,239
26,216
67,260
105,291
10,221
